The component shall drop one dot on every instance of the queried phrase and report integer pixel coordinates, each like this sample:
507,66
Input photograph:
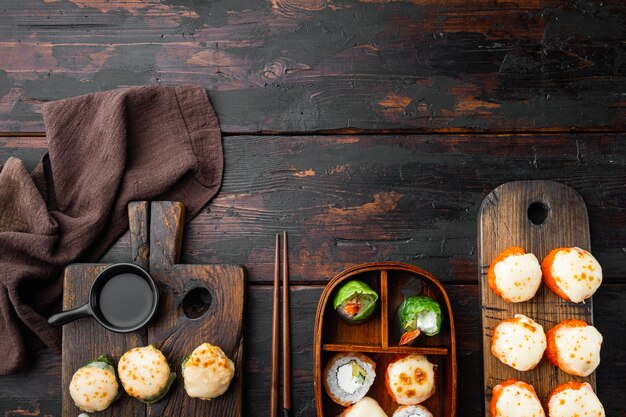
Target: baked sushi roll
207,372
412,411
574,399
348,377
94,386
145,374
514,275
574,346
418,315
519,342
355,301
366,407
572,273
514,398
410,379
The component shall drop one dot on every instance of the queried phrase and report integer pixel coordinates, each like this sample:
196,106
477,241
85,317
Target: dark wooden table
368,130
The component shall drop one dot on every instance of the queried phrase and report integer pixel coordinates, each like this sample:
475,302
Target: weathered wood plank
289,65
42,397
349,199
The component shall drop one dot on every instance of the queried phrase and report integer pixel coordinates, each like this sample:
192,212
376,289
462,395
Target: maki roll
94,386
574,346
410,379
145,374
418,314
412,411
514,275
513,398
207,372
572,273
355,301
348,377
519,342
574,399
367,407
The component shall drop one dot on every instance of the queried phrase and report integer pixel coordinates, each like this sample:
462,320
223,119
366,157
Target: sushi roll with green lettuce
355,301
94,386
145,374
418,314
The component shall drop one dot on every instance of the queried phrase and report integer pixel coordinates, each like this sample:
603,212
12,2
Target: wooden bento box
376,337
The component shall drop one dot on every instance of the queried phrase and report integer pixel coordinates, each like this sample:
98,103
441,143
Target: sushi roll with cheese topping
410,379
207,372
513,398
572,273
412,411
355,301
145,374
574,346
366,407
514,275
519,342
574,399
94,386
348,377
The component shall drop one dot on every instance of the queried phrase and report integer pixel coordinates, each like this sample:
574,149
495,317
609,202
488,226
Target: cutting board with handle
198,303
538,216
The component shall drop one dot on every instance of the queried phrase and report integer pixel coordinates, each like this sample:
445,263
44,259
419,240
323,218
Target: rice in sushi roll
366,407
348,377
513,398
207,372
355,301
574,399
94,386
574,346
514,275
145,374
572,273
412,411
410,379
519,342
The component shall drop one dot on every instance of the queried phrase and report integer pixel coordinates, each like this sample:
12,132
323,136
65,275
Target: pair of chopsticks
286,348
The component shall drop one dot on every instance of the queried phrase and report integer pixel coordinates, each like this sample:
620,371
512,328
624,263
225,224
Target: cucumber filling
350,377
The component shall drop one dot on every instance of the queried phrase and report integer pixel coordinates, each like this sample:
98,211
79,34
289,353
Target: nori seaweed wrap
419,314
355,301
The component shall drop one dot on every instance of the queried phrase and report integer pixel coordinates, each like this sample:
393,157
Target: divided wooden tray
511,215
187,316
375,337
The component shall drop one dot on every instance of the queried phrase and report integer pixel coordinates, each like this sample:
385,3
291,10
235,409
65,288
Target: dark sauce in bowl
126,300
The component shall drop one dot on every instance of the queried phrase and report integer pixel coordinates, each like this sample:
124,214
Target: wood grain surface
311,65
377,339
177,329
302,183
504,221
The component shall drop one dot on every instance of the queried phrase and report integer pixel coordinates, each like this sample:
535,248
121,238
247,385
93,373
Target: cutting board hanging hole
538,213
197,302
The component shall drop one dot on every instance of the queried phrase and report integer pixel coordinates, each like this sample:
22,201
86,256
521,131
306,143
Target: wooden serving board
505,220
376,339
186,317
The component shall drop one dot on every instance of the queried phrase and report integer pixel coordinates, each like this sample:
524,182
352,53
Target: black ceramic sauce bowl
123,298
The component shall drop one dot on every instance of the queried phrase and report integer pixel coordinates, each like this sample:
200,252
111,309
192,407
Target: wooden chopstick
275,323
286,334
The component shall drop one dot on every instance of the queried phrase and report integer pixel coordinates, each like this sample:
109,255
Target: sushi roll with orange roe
519,342
574,399
514,398
574,346
514,275
572,273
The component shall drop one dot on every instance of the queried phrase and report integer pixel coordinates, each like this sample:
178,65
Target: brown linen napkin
104,150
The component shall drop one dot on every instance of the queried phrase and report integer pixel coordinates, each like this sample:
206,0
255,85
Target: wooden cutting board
198,303
511,215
